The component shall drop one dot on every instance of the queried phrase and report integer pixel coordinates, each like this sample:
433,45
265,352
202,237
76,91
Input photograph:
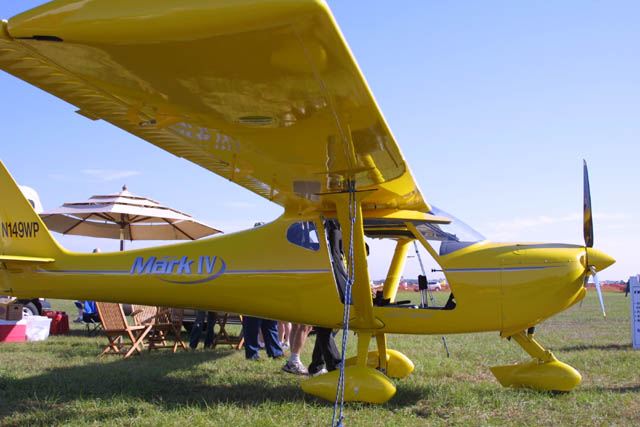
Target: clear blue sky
494,104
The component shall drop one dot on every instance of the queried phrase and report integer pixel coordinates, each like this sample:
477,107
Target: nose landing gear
544,372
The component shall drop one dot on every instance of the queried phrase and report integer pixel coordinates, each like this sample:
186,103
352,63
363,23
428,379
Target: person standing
198,325
251,326
269,328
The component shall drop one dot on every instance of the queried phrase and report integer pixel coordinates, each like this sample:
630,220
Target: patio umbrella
125,216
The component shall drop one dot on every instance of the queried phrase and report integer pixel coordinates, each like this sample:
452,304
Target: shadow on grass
625,389
168,381
406,396
584,347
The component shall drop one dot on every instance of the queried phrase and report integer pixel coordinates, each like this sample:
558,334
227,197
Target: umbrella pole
121,238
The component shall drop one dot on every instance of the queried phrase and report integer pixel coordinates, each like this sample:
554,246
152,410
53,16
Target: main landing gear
364,375
544,372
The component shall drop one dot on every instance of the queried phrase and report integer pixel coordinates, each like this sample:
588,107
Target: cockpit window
304,234
453,236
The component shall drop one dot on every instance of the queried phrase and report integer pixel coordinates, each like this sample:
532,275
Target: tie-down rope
347,308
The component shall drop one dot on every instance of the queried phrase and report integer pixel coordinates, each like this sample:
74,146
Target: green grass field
60,381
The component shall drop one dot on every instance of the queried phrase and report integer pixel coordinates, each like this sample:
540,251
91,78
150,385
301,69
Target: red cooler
13,330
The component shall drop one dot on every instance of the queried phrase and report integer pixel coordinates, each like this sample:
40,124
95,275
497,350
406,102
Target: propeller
593,257
586,211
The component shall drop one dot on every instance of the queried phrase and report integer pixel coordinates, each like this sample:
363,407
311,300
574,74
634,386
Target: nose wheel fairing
549,376
544,372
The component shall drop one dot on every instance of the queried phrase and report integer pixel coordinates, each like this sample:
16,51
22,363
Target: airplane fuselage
497,287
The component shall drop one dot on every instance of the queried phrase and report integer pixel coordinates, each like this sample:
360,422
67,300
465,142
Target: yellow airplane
267,94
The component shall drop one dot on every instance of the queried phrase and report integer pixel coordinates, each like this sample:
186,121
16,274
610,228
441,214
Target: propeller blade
597,283
586,211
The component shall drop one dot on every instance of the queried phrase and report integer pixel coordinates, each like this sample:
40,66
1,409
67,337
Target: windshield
451,237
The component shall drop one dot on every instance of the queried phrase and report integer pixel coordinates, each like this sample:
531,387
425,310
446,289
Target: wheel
30,309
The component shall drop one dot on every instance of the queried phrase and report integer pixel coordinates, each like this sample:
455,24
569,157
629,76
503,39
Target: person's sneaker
295,368
77,320
320,372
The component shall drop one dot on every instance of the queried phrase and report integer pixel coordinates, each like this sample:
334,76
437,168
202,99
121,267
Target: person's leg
196,330
79,305
250,326
211,323
260,337
298,337
284,332
330,352
287,335
270,334
299,334
317,359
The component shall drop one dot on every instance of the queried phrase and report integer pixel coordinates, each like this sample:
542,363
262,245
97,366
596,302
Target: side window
304,234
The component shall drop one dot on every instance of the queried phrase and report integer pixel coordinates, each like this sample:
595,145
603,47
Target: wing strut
357,289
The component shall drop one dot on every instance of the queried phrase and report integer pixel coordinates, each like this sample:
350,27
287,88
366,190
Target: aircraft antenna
347,307
433,301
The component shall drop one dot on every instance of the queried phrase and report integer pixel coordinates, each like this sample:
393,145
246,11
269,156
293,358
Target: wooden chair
223,337
143,314
118,330
167,322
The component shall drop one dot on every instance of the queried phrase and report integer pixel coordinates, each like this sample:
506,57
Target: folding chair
223,337
90,317
93,325
168,321
118,330
143,314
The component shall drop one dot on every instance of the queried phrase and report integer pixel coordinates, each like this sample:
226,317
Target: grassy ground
61,382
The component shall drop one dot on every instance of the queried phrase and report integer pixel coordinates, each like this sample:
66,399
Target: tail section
23,235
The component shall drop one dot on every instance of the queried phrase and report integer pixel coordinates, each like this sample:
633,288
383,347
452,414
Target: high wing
265,93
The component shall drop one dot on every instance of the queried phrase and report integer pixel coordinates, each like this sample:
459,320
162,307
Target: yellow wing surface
265,93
